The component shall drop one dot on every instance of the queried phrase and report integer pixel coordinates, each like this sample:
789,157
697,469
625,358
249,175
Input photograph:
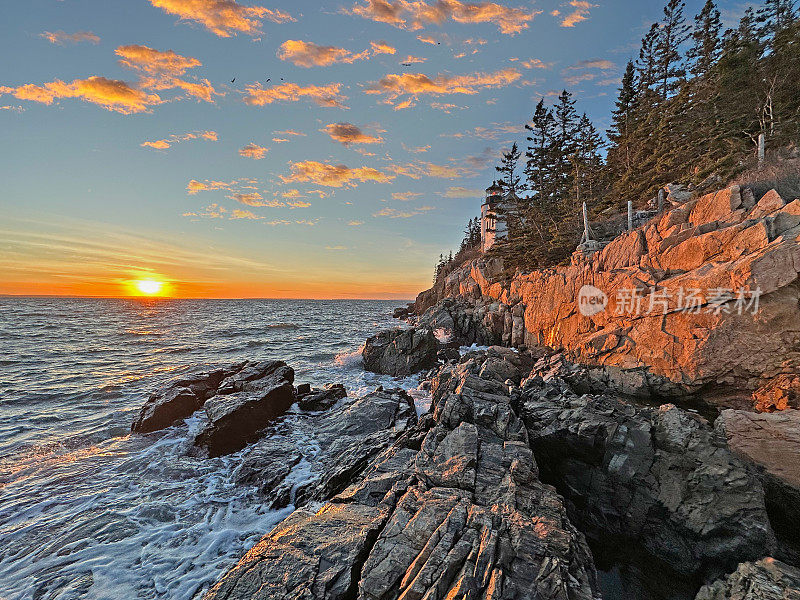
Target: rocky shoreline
565,456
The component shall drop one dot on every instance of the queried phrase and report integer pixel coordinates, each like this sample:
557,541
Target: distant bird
281,78
267,80
234,79
438,43
406,64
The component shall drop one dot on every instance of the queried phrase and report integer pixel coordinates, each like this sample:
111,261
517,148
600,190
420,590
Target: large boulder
658,477
767,579
246,403
453,509
179,399
771,442
400,352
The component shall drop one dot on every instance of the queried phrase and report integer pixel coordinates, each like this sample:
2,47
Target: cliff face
704,296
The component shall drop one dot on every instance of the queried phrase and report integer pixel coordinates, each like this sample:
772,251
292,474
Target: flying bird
406,64
234,79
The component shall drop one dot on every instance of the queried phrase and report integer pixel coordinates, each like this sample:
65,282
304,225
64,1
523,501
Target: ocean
89,510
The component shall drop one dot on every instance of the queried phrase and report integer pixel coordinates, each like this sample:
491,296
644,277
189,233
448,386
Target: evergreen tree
773,17
540,140
508,166
671,35
646,65
563,146
706,42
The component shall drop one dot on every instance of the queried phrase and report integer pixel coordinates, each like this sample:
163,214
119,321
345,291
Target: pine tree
646,65
706,43
672,34
587,162
508,166
564,145
540,140
773,17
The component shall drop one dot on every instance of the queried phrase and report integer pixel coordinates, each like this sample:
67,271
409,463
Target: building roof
495,189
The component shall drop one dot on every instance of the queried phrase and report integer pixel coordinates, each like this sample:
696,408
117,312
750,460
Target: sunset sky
143,140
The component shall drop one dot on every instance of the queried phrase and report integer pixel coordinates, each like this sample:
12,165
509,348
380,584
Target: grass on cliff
780,174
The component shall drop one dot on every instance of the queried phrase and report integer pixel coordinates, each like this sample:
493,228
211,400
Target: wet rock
767,579
317,400
453,509
336,447
246,403
659,477
179,399
400,352
772,443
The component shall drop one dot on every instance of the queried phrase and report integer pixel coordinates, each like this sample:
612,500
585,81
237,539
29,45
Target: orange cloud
111,94
238,213
348,134
428,169
534,63
414,85
212,211
225,18
323,95
381,47
155,62
309,54
334,175
195,186
355,223
255,199
411,60
413,14
426,39
405,196
174,139
393,213
581,13
298,204
62,38
253,151
288,132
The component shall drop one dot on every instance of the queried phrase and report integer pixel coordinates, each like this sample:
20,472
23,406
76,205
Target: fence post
630,215
661,195
585,223
761,150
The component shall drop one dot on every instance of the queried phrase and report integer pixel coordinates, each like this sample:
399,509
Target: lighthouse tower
490,228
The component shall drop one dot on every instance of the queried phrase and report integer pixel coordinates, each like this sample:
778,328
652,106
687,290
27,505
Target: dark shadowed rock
772,443
767,579
659,477
400,352
316,400
337,445
246,403
179,399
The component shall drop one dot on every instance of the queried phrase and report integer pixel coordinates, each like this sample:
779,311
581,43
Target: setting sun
149,287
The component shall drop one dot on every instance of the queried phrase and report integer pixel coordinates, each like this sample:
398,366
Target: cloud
429,169
496,131
253,151
309,54
324,95
382,47
426,39
593,63
535,63
355,223
462,192
336,248
413,60
413,85
62,38
289,132
212,211
155,62
348,134
581,13
211,136
195,186
334,175
405,196
414,14
225,18
161,70
298,204
111,94
255,199
394,213
238,213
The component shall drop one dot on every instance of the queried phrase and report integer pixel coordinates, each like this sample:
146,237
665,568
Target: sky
275,149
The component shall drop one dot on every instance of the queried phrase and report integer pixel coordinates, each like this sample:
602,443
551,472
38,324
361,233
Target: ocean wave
282,326
350,359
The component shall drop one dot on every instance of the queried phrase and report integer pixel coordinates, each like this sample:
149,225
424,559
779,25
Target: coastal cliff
701,298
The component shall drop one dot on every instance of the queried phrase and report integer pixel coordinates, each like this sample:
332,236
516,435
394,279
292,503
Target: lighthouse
490,228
